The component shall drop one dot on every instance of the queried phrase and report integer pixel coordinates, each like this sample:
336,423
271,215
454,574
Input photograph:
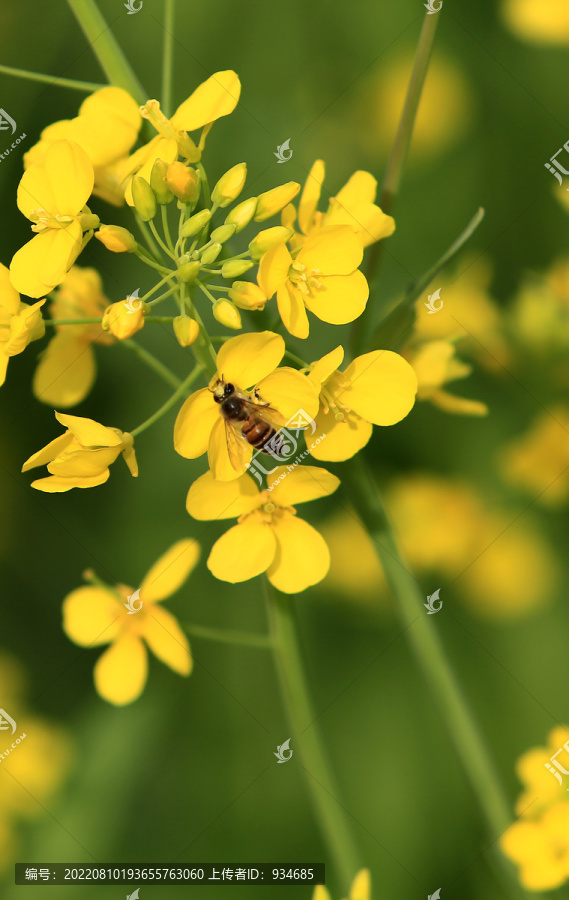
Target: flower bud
183,182
188,271
241,215
161,191
271,202
267,239
125,318
210,253
186,330
233,268
247,295
222,234
196,223
88,220
227,314
143,198
229,185
116,239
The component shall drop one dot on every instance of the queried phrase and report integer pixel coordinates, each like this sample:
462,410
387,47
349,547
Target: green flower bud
247,295
210,253
188,272
271,202
229,185
227,314
233,268
186,330
267,239
196,223
223,233
116,238
143,198
161,191
241,215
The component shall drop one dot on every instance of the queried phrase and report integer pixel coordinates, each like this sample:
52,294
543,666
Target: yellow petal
292,310
82,463
35,191
304,483
243,552
361,886
170,571
211,499
49,452
121,672
245,359
369,222
111,123
341,299
321,370
88,432
224,466
458,406
167,641
302,556
65,247
273,269
142,161
91,616
9,297
65,373
216,97
194,422
382,387
361,187
338,440
334,250
57,484
129,456
69,173
28,261
3,367
289,392
311,196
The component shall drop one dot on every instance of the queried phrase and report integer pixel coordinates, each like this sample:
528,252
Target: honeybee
250,419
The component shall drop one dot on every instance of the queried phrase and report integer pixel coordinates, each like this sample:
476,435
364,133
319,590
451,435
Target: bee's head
222,390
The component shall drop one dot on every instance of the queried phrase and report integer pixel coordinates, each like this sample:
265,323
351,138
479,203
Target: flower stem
106,48
239,638
154,231
330,813
179,392
52,79
166,98
166,230
150,242
152,362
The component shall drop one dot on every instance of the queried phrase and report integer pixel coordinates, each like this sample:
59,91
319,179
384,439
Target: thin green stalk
224,636
154,231
163,296
52,79
106,48
72,321
329,812
202,348
179,392
150,242
166,229
166,98
150,360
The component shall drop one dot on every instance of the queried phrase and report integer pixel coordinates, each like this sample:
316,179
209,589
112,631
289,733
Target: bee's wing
237,446
263,411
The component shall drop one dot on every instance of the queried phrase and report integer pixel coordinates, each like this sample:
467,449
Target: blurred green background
187,772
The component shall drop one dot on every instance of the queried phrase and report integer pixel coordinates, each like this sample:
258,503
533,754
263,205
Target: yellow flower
20,323
124,318
348,540
353,205
268,537
52,194
537,461
435,363
538,21
541,787
377,388
539,317
97,615
81,457
323,277
214,98
246,361
360,889
67,368
106,129
540,848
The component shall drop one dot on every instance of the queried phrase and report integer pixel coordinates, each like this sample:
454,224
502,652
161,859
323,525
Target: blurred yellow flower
244,361
538,460
360,889
213,99
323,277
540,848
353,205
106,129
435,363
347,540
539,316
52,194
81,457
20,323
541,787
67,368
537,21
130,621
377,388
268,537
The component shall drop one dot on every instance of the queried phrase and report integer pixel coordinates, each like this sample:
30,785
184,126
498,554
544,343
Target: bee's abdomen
256,432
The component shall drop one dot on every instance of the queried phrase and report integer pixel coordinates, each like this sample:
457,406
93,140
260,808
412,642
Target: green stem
239,638
154,231
52,79
166,229
150,242
202,347
163,297
296,359
150,360
179,392
72,321
145,257
166,98
106,48
329,812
